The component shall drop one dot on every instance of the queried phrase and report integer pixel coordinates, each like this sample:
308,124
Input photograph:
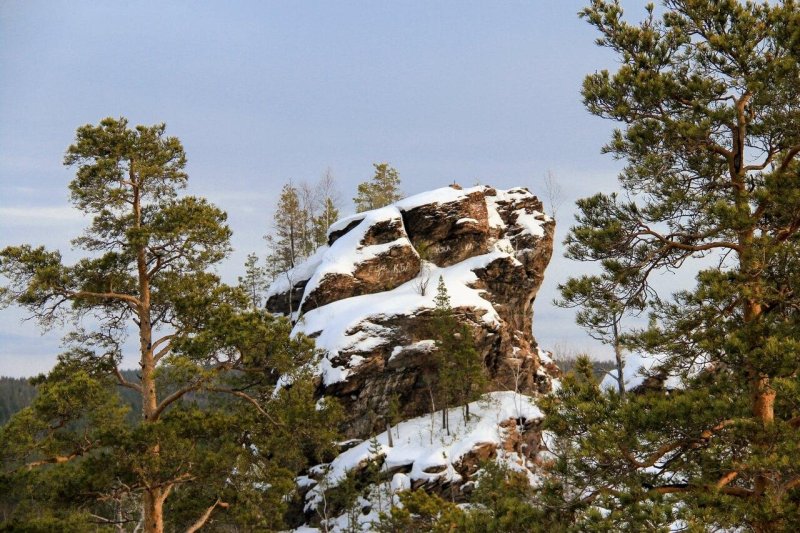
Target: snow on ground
283,282
423,445
348,251
336,323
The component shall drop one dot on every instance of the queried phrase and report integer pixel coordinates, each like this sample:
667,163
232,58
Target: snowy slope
426,450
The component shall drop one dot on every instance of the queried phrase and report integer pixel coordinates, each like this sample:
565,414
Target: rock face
505,426
366,297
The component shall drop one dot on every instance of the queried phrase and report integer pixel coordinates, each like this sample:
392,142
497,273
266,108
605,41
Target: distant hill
18,393
15,393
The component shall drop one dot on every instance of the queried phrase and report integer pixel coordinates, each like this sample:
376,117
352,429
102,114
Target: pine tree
327,216
147,268
289,242
468,369
382,190
442,325
303,216
707,97
603,303
254,282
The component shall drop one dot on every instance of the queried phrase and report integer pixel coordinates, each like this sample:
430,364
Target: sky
264,92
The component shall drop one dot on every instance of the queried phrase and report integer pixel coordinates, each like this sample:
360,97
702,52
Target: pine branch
124,382
200,522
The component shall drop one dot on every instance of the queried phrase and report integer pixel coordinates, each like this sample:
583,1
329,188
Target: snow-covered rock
503,426
366,297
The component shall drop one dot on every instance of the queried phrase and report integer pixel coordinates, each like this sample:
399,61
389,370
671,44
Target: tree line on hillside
18,393
15,393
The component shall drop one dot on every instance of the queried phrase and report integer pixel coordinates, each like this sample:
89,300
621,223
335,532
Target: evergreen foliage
15,393
603,301
255,281
503,502
289,243
208,361
303,215
383,189
707,97
461,376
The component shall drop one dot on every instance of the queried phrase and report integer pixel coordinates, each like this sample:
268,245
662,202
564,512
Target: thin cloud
37,215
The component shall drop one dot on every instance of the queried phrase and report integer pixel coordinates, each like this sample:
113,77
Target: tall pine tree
254,282
288,243
707,98
147,270
461,376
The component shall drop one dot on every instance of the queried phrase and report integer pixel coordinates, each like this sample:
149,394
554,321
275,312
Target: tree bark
620,361
200,522
153,511
389,433
762,394
153,499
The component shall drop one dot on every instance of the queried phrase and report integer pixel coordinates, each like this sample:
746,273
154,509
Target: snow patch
427,345
349,325
442,195
421,444
286,280
531,223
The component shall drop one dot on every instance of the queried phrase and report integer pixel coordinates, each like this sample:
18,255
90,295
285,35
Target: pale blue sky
263,92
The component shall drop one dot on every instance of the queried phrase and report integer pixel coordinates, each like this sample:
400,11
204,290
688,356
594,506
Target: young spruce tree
460,373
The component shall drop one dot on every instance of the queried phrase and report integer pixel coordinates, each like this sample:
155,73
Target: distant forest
17,393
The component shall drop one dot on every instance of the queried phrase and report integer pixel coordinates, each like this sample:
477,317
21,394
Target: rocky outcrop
448,233
366,297
505,426
384,259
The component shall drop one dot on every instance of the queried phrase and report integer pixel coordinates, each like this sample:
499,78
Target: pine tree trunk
154,511
153,499
762,395
618,356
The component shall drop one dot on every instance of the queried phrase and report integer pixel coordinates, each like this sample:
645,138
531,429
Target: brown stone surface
444,233
450,232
